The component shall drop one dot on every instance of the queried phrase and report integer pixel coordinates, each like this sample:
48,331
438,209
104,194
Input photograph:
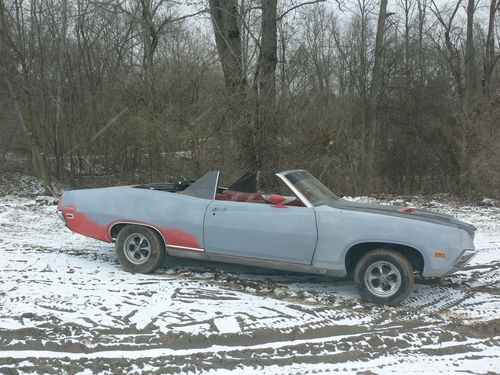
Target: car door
262,231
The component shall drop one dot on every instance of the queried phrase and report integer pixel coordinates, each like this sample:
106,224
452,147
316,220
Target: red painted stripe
82,224
179,237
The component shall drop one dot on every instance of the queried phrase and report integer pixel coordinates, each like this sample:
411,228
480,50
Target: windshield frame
315,184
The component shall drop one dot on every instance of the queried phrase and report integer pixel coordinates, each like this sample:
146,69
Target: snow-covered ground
67,307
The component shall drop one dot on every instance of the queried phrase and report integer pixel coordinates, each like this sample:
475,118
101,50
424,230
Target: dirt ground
67,307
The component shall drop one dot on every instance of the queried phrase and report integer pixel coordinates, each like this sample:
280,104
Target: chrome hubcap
137,248
383,279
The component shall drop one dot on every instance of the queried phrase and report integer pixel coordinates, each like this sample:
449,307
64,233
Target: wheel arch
356,251
116,227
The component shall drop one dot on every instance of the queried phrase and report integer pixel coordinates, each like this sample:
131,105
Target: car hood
413,213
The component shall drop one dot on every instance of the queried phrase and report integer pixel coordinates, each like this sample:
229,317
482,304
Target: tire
384,277
139,249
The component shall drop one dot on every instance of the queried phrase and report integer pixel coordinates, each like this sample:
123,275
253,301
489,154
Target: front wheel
383,276
139,249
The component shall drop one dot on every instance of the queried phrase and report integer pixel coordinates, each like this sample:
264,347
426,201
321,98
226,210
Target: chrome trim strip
60,215
186,247
291,170
156,230
216,185
466,257
294,189
254,262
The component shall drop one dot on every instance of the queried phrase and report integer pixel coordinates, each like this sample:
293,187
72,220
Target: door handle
218,209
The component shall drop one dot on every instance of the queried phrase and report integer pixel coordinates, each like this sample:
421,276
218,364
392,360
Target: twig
96,135
298,6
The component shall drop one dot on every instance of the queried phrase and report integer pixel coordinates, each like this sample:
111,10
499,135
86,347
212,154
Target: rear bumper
61,215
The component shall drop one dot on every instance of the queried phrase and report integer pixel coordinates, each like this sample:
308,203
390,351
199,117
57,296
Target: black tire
139,249
384,277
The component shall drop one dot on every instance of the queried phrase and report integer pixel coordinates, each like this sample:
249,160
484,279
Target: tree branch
298,6
100,131
170,20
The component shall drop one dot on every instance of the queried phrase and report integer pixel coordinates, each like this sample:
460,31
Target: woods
371,96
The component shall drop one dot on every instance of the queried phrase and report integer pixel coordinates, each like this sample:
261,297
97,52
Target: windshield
313,190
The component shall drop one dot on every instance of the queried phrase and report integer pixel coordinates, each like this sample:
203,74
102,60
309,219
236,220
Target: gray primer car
311,230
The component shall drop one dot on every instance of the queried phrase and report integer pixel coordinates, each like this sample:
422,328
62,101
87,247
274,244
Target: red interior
276,199
238,196
408,210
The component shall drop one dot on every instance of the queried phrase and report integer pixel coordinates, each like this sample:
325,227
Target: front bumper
466,257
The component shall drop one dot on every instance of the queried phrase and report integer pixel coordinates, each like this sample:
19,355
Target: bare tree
23,109
227,25
376,86
470,74
369,95
490,58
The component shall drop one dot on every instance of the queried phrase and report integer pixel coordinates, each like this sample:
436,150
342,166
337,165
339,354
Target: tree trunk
38,159
150,44
421,4
375,91
467,104
490,58
226,24
61,45
407,100
266,126
228,39
470,76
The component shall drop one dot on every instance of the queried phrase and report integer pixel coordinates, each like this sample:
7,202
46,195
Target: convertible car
306,228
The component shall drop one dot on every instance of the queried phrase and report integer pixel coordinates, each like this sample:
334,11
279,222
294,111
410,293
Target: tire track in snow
65,293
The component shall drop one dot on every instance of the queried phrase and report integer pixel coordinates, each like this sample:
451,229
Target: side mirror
277,200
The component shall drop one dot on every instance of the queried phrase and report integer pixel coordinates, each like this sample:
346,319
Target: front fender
339,230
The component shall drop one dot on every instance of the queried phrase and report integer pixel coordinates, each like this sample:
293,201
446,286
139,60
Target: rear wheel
383,276
139,249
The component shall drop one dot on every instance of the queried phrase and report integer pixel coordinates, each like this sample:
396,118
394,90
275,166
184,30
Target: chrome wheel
137,248
383,279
